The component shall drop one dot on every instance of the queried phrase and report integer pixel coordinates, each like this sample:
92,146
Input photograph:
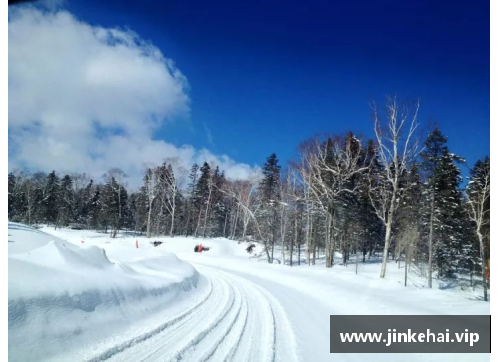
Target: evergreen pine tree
50,201
450,217
201,197
269,197
16,200
269,185
82,213
65,205
94,208
220,207
114,201
430,158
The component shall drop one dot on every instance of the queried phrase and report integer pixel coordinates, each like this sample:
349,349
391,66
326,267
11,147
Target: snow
18,243
107,299
63,296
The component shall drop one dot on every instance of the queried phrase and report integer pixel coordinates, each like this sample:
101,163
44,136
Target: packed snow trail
237,321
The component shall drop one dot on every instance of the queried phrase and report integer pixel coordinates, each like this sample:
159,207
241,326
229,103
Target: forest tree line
391,196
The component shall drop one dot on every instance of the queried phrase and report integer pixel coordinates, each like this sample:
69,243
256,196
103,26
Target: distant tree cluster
388,196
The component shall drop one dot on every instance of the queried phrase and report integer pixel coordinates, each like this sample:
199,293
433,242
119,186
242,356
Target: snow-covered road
233,319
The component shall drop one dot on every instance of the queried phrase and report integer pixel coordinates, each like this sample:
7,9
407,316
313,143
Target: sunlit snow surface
106,299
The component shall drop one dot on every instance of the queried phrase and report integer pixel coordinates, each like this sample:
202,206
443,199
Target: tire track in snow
170,342
215,336
194,339
269,333
259,342
131,342
236,321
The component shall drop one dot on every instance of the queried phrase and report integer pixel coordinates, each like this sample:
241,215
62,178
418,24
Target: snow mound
63,296
20,243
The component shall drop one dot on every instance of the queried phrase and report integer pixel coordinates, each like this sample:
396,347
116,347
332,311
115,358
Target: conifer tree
65,206
15,199
269,198
114,201
50,201
201,197
450,219
94,208
430,158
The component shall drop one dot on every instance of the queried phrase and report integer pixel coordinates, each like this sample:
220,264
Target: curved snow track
232,320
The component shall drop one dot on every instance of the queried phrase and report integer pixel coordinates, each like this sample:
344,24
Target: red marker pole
137,244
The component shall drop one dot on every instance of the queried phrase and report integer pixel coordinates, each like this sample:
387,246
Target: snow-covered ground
107,299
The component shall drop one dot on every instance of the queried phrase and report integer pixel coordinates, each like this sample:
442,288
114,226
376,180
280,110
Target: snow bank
19,243
63,296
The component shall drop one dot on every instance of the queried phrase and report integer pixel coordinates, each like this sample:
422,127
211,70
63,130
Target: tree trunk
283,232
314,254
149,221
298,250
234,223
294,241
225,225
206,218
245,226
483,264
172,222
345,251
308,239
429,282
386,247
198,223
356,261
273,236
407,260
388,230
158,221
267,253
327,243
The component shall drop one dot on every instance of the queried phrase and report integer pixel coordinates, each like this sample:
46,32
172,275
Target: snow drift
62,296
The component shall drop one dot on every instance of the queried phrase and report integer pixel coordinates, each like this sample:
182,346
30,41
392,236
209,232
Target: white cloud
88,98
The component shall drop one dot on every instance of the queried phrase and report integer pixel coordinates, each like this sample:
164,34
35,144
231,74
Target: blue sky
264,75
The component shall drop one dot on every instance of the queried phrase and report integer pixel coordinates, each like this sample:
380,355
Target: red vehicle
199,248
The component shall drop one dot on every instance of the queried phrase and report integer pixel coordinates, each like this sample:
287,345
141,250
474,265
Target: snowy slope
19,243
237,307
63,297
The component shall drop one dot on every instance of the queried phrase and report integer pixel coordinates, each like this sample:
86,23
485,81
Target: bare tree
244,194
397,148
80,181
246,207
171,186
283,207
327,168
150,189
408,240
208,205
478,201
306,178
